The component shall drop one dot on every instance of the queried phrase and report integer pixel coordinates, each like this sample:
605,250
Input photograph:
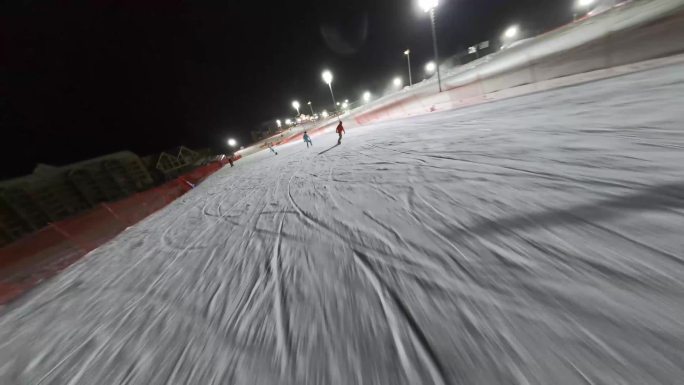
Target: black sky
80,79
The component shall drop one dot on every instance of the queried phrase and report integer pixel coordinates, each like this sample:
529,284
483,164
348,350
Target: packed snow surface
536,240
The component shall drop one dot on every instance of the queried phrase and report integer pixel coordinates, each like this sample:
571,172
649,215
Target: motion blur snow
536,240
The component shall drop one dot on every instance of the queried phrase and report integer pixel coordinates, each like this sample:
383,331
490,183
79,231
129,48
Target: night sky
80,79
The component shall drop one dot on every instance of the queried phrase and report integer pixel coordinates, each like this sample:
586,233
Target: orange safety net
30,260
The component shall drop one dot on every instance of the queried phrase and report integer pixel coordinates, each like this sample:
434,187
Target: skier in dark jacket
307,140
340,131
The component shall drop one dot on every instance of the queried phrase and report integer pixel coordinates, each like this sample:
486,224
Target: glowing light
366,96
407,52
397,82
585,3
324,114
278,123
430,67
232,142
288,121
511,32
345,105
428,5
327,76
295,105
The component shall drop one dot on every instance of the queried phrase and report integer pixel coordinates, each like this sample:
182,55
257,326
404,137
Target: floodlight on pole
367,96
296,106
328,78
429,6
278,123
232,142
408,59
311,107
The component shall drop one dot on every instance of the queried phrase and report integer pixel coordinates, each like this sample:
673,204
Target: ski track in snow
536,240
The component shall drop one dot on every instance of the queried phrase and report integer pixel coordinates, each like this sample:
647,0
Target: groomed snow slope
537,240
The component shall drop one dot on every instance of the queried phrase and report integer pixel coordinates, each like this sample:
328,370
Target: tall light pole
328,78
311,107
430,6
295,105
408,58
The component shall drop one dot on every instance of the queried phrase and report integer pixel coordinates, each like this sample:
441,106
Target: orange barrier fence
42,254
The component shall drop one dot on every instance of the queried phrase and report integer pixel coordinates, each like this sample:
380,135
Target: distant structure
53,193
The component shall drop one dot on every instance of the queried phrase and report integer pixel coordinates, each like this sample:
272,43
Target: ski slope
536,240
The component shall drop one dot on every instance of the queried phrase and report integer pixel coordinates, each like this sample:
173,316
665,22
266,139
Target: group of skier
307,139
339,130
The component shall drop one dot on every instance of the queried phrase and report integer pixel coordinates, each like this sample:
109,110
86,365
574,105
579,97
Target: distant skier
340,131
307,140
230,160
270,147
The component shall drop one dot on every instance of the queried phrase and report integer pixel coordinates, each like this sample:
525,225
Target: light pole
295,105
408,58
328,78
311,107
430,6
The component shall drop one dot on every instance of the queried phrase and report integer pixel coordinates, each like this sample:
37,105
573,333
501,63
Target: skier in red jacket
340,131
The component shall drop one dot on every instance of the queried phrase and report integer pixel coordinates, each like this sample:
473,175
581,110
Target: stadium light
408,59
367,96
328,78
296,106
311,107
430,67
429,6
232,142
288,121
324,114
511,32
278,123
585,3
345,105
397,82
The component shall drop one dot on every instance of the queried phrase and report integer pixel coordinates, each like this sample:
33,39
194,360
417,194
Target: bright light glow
366,96
346,100
585,3
397,82
511,32
430,67
408,51
299,120
232,142
309,103
278,123
327,77
338,103
288,121
295,105
428,5
345,105
324,114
